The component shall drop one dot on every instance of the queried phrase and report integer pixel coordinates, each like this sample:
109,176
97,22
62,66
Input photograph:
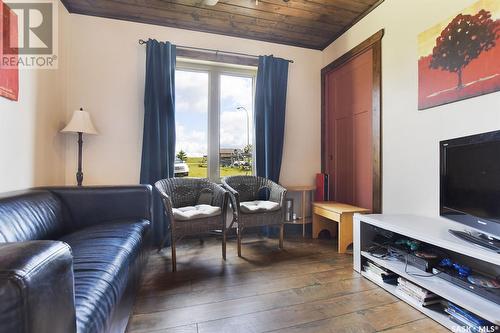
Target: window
236,125
214,120
191,117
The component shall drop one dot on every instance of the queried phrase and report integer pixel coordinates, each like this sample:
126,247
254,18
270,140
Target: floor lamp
80,123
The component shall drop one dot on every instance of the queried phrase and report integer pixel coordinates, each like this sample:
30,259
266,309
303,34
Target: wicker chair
244,190
182,197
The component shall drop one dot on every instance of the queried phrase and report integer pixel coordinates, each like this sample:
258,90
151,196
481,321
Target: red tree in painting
463,40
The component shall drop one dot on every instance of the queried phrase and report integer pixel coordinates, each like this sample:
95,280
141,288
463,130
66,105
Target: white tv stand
432,231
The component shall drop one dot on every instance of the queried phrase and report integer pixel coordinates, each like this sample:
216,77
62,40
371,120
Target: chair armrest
36,287
234,198
220,196
221,200
167,206
86,206
277,193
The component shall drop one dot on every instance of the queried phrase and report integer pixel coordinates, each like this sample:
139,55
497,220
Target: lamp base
79,178
79,174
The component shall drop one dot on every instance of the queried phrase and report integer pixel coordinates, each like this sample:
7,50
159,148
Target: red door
348,131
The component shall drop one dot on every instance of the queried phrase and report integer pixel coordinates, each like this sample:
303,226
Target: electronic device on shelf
469,193
478,239
424,258
464,277
409,251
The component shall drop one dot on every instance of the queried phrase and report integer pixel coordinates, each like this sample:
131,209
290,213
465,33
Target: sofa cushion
195,212
29,215
103,255
258,206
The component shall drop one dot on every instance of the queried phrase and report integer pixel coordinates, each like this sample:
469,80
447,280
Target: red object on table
321,187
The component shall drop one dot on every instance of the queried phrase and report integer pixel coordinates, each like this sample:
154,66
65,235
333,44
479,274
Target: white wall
102,69
106,76
411,137
31,149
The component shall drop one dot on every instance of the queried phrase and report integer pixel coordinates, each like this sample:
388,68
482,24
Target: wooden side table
302,220
327,211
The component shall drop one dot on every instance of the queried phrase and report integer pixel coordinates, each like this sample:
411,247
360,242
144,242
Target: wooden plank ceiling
313,24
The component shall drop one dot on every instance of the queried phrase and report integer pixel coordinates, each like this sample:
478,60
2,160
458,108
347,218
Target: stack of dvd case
468,321
379,274
416,293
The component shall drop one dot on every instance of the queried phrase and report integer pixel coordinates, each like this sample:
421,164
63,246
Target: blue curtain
270,105
158,146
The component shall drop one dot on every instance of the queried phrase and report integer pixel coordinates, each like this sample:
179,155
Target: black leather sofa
71,258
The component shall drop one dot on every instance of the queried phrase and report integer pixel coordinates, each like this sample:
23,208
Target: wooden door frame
375,43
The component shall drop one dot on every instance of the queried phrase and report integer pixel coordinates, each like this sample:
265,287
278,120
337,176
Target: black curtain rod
142,41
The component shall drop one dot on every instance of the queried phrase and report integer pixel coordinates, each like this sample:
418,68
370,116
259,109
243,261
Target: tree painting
462,41
459,57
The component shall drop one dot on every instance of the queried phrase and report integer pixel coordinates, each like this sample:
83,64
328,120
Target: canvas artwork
459,58
9,76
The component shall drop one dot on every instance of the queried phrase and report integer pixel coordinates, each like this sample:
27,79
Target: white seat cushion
258,206
195,212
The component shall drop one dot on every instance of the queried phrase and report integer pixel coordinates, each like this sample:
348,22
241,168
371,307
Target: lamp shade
80,122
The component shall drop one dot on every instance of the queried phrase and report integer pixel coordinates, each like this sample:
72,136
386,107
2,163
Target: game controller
411,244
462,270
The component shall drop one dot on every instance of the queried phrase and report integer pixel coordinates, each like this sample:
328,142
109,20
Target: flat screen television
470,181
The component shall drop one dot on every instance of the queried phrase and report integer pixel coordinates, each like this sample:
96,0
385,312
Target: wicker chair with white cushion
256,201
193,206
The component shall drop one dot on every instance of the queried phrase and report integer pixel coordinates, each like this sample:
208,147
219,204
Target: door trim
375,43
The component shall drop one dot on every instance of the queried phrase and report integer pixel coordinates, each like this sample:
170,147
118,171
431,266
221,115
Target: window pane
191,120
236,125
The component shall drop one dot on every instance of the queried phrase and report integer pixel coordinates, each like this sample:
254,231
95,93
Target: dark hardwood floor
308,287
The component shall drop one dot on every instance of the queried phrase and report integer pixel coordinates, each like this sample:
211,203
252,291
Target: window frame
215,71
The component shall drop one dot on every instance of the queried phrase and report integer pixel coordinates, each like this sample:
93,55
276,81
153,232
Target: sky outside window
236,91
191,112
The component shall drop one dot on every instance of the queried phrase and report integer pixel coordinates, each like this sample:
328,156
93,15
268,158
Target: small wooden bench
327,211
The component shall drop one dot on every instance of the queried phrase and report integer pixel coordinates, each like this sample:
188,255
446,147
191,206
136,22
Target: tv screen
470,181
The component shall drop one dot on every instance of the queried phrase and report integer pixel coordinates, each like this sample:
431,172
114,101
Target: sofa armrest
86,206
36,287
